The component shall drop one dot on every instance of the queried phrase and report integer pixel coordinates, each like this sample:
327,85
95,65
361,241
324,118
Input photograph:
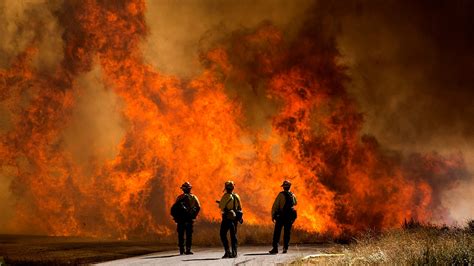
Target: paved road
249,255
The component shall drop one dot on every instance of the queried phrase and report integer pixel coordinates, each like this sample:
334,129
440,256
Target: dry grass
415,245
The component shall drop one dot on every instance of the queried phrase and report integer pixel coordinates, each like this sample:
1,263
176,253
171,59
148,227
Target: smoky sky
412,64
410,61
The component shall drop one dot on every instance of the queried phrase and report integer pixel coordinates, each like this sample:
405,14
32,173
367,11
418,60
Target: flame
178,131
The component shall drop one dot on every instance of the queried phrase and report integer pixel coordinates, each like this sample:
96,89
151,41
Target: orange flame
178,131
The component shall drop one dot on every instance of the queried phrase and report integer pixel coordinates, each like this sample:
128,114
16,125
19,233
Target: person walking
231,208
283,215
184,212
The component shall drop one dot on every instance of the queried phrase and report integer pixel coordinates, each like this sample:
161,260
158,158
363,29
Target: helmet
229,184
286,183
186,185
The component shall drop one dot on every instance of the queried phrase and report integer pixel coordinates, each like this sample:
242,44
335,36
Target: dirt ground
46,250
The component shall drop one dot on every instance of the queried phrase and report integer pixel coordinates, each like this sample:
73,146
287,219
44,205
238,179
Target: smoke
96,127
23,24
410,64
28,23
177,29
244,89
413,69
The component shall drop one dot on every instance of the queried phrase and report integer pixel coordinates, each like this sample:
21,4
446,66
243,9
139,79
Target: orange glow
178,131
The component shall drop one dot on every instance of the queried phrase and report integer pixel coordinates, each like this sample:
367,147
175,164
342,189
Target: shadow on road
203,259
243,262
162,257
257,254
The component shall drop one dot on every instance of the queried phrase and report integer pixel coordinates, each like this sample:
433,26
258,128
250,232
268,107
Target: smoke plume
108,106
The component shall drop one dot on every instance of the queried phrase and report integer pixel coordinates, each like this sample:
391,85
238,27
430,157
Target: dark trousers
286,225
226,226
182,228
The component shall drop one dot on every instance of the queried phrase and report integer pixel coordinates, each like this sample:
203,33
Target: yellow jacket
280,202
193,200
227,202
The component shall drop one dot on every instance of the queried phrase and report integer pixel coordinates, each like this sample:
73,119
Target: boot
188,252
181,251
234,252
273,251
285,250
226,254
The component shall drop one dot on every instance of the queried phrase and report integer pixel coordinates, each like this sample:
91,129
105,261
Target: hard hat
286,183
186,185
229,184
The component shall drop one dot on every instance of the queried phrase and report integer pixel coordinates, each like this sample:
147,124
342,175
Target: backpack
234,214
180,211
288,212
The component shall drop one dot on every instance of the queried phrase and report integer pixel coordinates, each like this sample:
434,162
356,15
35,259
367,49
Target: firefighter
231,214
283,215
184,212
